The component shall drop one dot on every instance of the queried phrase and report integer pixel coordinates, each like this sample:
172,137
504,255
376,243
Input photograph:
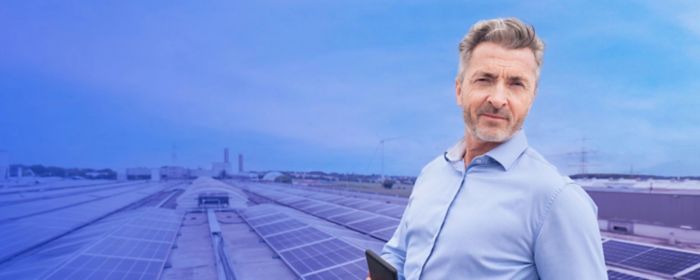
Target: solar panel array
128,245
32,222
309,252
375,218
371,215
658,260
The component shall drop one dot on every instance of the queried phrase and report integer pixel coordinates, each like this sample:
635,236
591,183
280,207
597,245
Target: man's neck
475,147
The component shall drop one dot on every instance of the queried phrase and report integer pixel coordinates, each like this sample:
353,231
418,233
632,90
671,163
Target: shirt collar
505,154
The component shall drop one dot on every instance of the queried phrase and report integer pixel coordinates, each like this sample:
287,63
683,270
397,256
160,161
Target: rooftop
78,229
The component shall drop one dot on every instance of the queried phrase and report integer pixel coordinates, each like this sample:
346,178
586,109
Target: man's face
497,91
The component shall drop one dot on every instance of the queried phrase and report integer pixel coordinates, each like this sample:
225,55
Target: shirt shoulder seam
548,208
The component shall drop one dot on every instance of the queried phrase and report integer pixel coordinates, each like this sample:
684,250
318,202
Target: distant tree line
616,176
55,171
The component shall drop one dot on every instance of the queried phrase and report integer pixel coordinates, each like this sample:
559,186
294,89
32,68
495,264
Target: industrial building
138,173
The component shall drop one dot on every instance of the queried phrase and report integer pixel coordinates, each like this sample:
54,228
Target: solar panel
333,211
296,238
300,203
310,204
112,247
278,227
56,219
99,267
319,208
266,219
356,203
373,207
614,275
255,212
321,255
155,224
393,211
339,199
61,250
663,261
144,233
374,224
289,199
353,270
350,217
693,275
616,252
132,248
321,196
384,234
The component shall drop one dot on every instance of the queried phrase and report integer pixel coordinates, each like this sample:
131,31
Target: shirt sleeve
394,250
568,245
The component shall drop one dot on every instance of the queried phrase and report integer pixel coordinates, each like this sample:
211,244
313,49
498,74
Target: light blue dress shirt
509,215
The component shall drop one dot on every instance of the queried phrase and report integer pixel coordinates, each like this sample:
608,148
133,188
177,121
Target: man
491,207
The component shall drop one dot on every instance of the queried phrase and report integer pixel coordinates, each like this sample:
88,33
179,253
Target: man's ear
458,92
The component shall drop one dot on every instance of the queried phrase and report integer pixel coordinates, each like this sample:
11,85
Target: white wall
679,234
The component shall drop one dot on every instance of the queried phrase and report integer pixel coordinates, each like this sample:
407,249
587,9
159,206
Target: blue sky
315,85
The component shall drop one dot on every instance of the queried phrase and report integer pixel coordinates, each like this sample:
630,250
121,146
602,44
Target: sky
316,85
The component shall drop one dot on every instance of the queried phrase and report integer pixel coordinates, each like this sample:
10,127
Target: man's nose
499,96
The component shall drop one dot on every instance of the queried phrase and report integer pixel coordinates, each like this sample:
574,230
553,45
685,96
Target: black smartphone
379,269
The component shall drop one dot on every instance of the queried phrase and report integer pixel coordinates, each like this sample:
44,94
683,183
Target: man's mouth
495,117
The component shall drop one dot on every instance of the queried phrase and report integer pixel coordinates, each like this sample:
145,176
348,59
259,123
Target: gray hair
509,33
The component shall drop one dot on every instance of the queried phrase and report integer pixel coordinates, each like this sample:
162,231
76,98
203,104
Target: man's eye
481,80
518,84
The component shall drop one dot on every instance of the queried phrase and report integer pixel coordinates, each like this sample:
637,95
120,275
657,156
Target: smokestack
225,155
240,163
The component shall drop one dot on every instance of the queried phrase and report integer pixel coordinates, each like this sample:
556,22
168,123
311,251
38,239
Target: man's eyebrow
483,74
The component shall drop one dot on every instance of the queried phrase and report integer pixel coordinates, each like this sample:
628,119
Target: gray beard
473,129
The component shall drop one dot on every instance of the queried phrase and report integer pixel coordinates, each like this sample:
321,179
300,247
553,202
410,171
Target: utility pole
584,157
381,143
